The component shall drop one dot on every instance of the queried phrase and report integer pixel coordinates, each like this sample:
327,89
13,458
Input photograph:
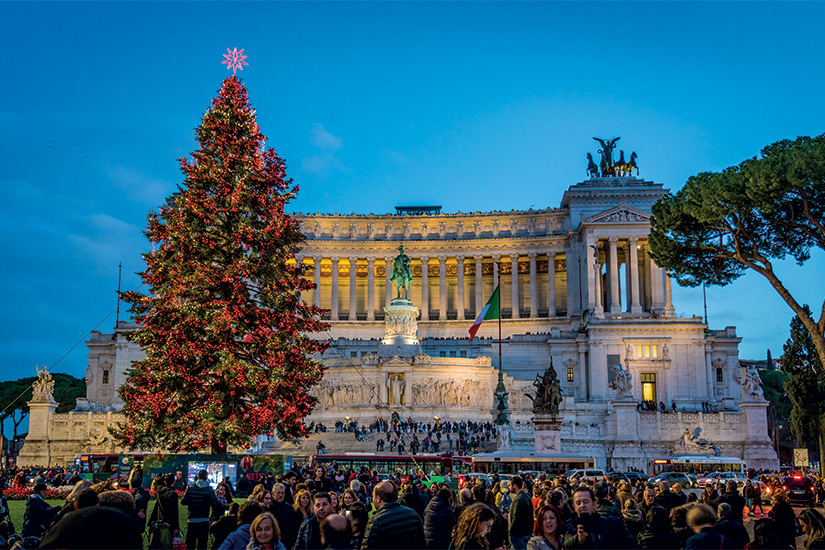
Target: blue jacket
238,539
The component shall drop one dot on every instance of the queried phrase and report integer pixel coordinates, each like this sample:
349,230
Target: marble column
387,283
573,260
551,284
479,288
633,269
615,299
459,260
353,289
371,289
333,310
496,281
442,288
516,305
670,311
425,289
534,299
591,255
656,284
316,294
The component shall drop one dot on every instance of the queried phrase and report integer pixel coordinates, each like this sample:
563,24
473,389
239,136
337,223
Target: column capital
370,260
299,259
613,240
424,259
459,257
496,257
532,255
442,259
633,240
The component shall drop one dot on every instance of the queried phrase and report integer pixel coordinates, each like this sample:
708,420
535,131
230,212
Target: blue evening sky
474,106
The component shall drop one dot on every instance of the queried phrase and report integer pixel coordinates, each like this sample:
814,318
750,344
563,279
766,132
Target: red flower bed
24,492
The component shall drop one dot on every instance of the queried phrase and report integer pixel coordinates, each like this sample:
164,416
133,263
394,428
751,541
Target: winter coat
521,516
785,519
439,521
393,526
288,520
238,539
737,504
38,516
166,507
605,508
415,501
252,545
221,529
653,540
634,521
200,499
708,539
540,543
309,535
605,532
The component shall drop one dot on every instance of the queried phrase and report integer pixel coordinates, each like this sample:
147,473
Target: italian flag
490,311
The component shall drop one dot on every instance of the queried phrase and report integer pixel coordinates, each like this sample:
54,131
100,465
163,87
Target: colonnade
646,285
457,295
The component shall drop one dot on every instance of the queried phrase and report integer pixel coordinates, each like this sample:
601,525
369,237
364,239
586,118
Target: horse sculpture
631,165
592,169
619,166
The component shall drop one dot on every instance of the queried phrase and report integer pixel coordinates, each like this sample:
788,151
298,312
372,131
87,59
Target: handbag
160,532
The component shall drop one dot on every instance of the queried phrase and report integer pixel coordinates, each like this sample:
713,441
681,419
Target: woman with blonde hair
473,525
303,503
265,534
813,525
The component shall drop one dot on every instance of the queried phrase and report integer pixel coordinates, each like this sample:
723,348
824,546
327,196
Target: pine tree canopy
228,341
721,225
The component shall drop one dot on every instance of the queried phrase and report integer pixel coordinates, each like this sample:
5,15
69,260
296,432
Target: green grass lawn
18,507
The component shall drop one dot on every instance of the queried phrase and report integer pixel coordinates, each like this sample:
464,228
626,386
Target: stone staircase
338,443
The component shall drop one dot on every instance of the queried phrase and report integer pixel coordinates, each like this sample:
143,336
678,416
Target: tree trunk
822,445
218,448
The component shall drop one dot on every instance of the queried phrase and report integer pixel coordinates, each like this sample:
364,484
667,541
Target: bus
488,463
430,465
696,464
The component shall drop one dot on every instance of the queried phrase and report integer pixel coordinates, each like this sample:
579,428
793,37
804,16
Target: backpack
505,502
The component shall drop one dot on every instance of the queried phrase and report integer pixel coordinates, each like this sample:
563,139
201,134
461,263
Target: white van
578,476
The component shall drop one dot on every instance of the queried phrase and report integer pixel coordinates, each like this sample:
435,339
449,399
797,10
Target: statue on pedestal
623,381
43,387
549,392
751,384
401,273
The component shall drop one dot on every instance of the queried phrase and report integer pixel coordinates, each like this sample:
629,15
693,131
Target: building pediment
619,214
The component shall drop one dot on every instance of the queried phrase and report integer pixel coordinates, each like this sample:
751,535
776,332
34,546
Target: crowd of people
403,436
322,506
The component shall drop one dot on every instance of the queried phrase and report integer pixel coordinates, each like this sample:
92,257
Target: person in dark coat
201,500
701,519
238,539
657,533
309,535
604,506
224,525
95,527
737,502
166,507
735,531
784,517
411,498
666,498
142,498
392,526
439,520
590,530
288,519
38,516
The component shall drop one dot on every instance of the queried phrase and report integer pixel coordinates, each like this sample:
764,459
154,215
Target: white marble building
577,285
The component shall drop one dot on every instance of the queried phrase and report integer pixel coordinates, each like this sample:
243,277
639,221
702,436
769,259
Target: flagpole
502,408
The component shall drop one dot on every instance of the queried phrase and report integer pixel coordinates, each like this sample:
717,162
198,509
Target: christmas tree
228,340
